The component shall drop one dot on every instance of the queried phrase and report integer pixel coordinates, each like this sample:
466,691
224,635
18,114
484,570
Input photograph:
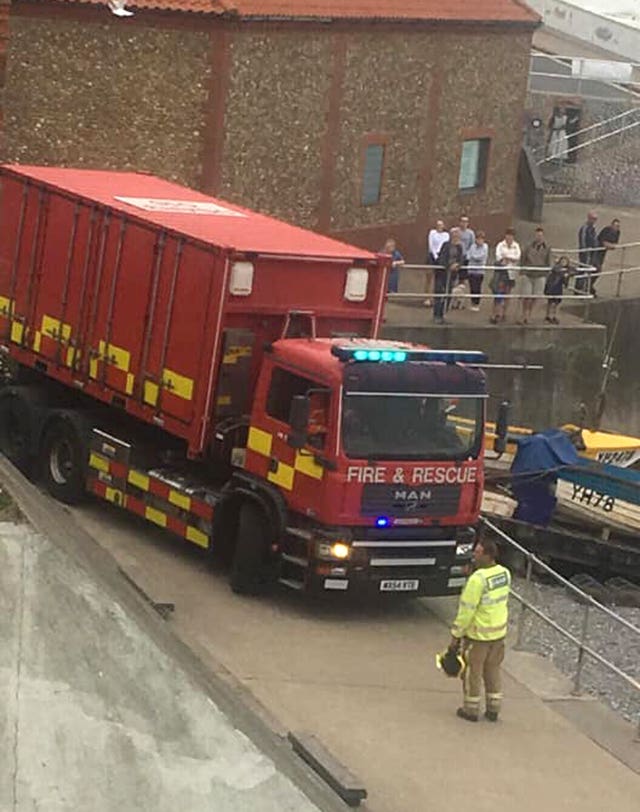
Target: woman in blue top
397,260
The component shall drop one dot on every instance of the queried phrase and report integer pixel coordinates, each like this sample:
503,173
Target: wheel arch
240,490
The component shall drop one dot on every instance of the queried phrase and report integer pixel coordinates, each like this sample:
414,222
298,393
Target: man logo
412,497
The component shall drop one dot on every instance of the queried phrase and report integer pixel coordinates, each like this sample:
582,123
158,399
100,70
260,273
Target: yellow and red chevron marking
147,482
148,512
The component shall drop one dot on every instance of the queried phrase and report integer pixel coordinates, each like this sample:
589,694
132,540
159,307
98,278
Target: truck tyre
16,432
249,568
64,458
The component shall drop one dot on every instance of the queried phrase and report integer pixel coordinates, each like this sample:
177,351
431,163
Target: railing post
521,617
528,570
621,274
577,689
523,607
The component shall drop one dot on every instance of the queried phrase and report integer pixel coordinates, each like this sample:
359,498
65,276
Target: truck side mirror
299,420
502,427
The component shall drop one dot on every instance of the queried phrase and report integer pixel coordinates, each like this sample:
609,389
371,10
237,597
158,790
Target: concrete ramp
95,716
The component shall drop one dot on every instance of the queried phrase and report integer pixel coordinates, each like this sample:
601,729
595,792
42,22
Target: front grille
403,500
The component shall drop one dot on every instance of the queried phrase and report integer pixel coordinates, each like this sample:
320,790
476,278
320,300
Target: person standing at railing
536,263
436,238
449,262
477,258
508,256
587,241
467,239
608,240
479,631
397,261
555,284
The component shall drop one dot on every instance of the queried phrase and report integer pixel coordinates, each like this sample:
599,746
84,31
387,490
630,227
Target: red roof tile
456,10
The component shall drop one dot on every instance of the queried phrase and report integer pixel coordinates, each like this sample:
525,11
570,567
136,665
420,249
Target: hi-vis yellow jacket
483,609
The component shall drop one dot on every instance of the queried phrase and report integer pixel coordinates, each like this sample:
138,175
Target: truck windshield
410,426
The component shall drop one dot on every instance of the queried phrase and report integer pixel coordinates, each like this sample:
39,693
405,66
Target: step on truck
217,372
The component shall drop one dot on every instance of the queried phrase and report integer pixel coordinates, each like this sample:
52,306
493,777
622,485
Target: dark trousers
584,284
443,283
394,279
475,286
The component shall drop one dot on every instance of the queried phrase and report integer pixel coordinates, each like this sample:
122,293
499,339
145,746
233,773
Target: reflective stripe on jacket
483,610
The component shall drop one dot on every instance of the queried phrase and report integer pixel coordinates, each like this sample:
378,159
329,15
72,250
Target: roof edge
228,9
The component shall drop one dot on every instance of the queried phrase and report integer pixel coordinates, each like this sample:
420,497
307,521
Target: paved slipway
94,716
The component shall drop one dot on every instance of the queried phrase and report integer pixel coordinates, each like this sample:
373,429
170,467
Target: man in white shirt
436,238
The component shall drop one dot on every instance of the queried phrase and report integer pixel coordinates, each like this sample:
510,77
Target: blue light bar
395,356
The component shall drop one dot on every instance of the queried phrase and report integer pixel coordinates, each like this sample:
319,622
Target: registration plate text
400,585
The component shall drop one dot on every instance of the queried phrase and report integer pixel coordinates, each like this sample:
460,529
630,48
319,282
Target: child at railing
554,287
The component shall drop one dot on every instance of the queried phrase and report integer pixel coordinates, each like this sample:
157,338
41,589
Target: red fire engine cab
216,372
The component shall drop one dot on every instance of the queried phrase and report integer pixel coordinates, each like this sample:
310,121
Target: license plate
400,585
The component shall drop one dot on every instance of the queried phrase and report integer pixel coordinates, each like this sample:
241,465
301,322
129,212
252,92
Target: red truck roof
137,289
196,215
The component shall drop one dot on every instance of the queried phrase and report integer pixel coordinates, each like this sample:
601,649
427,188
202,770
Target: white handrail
592,141
589,603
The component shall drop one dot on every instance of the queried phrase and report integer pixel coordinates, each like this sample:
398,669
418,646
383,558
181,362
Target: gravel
608,638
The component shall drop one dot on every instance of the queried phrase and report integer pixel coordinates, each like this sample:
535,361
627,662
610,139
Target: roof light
393,355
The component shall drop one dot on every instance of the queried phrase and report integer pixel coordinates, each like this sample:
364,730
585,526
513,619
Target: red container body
118,284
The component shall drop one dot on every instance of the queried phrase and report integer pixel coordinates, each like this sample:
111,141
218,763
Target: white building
610,25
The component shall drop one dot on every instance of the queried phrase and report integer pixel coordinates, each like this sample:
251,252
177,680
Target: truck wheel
64,459
16,433
249,570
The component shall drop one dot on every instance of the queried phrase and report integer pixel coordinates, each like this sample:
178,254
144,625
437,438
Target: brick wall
421,91
106,94
300,103
275,121
385,92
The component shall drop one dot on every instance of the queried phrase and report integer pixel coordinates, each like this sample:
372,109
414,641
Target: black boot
466,715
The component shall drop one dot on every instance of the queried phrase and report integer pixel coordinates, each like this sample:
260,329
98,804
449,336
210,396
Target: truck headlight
464,549
338,549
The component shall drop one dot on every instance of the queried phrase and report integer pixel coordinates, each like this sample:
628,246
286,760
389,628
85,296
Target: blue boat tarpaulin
547,456
545,451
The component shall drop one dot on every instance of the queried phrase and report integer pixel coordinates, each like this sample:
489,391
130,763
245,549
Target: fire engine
217,372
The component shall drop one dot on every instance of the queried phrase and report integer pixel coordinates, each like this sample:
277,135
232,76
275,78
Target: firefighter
479,631
318,420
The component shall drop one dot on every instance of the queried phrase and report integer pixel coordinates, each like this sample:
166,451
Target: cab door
298,472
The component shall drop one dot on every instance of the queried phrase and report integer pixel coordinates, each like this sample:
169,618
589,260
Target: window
473,163
372,174
284,387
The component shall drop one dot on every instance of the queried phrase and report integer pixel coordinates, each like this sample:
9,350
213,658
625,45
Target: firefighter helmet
451,662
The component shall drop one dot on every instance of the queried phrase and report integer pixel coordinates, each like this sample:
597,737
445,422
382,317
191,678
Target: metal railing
618,256
583,272
590,604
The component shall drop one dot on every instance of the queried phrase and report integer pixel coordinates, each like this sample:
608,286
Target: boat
550,482
607,447
604,496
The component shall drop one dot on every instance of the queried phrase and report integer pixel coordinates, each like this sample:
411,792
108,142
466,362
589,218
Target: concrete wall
104,94
571,357
622,405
